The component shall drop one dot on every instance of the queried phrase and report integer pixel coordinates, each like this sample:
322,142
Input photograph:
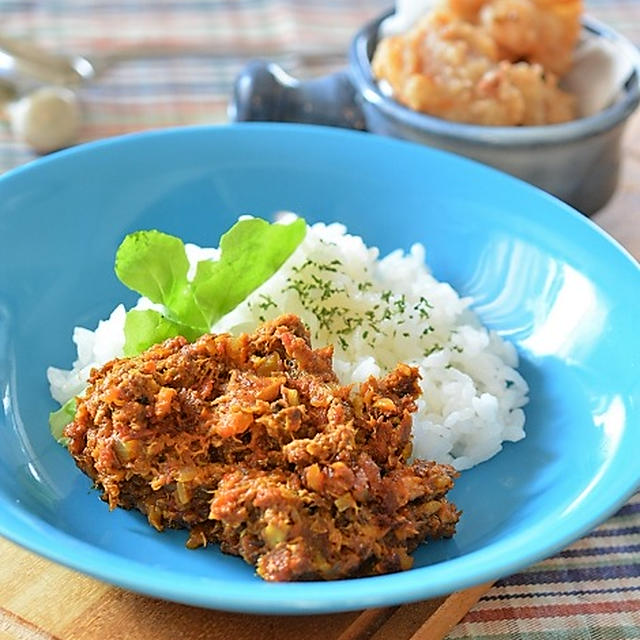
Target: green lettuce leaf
155,265
143,329
251,252
59,419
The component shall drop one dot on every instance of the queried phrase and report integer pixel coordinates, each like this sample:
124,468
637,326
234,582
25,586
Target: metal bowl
577,161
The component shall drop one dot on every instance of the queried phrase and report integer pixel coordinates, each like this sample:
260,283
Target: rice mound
376,313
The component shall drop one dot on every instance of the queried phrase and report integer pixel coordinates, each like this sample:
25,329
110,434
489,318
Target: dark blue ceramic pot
578,161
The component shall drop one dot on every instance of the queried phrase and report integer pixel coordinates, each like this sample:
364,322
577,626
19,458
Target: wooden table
621,217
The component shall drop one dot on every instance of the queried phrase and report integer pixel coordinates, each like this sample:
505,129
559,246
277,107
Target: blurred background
173,62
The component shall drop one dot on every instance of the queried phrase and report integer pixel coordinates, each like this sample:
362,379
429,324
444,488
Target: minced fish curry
250,442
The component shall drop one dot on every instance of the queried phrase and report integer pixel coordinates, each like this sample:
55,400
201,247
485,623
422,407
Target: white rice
376,313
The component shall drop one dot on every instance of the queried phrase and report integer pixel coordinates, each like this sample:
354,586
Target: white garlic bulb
46,119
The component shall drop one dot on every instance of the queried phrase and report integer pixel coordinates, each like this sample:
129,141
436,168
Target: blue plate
542,275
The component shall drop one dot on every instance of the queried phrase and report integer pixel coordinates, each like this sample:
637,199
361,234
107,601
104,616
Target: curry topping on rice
251,442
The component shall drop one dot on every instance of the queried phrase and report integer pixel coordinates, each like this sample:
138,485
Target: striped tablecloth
589,591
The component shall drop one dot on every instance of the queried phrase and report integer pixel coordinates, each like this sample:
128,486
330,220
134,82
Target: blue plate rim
313,129
285,598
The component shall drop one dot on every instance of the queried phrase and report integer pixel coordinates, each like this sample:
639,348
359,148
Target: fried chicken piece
538,31
251,442
481,63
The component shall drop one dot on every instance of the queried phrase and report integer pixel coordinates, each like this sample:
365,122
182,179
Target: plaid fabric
589,591
178,89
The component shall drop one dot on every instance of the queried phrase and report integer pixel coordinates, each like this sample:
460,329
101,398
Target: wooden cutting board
40,600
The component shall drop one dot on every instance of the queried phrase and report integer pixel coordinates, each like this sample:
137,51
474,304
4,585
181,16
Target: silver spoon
20,58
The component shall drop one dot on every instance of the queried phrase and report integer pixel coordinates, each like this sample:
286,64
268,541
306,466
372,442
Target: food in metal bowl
490,62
